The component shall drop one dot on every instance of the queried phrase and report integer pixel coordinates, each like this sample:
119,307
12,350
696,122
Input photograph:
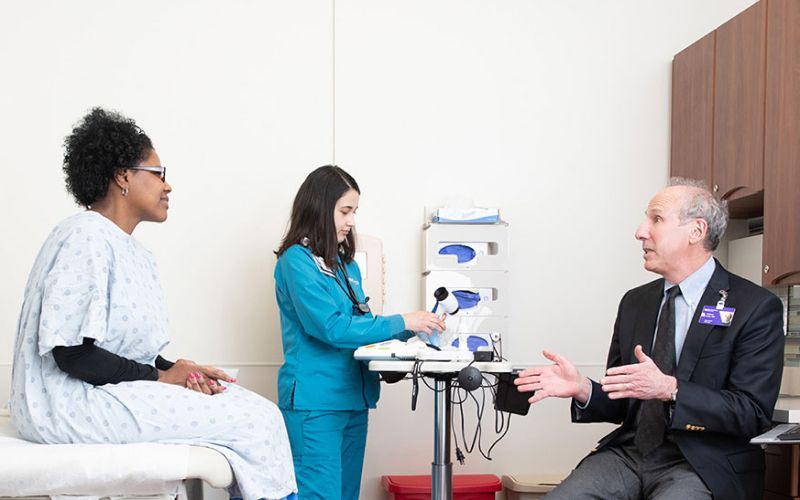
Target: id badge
715,316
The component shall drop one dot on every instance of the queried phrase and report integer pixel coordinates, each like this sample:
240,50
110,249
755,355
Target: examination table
148,470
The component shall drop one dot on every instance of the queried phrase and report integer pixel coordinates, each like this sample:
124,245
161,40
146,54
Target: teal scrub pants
328,452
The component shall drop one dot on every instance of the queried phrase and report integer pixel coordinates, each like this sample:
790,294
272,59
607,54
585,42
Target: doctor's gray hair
701,204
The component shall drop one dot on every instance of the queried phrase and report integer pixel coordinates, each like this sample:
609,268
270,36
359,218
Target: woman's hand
197,382
424,321
200,378
214,373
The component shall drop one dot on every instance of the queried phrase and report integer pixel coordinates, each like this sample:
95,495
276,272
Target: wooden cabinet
782,146
782,472
692,110
752,115
739,67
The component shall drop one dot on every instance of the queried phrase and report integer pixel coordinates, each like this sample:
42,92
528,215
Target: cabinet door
782,140
739,104
692,110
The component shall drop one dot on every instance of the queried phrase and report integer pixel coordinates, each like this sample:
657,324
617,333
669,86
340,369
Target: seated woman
86,358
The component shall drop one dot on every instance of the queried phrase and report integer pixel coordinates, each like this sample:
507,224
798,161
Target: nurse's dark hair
312,215
100,145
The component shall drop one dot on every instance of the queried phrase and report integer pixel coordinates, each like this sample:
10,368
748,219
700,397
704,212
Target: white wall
557,112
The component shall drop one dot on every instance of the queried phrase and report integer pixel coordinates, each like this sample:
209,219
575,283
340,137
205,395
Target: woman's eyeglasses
160,171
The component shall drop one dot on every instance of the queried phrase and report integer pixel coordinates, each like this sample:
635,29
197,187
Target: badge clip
723,296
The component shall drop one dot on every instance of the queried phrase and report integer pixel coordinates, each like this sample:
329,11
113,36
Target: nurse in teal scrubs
323,392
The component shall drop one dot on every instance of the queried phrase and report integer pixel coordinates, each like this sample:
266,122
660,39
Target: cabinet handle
716,187
766,268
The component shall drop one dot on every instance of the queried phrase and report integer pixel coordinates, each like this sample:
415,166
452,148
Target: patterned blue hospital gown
91,279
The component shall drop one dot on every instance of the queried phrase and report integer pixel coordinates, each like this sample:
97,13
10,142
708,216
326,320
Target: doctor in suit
693,370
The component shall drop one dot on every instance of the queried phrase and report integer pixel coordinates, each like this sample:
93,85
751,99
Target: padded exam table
103,470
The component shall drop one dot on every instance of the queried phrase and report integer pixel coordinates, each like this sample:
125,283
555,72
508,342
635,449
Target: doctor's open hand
560,380
642,380
424,321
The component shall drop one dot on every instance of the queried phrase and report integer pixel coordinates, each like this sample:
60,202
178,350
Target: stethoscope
359,308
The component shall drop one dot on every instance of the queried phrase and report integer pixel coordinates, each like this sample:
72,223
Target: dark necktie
653,412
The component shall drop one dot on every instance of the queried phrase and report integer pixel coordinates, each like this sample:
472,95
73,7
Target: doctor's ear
699,231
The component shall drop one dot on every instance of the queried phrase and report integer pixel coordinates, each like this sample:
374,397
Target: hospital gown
91,279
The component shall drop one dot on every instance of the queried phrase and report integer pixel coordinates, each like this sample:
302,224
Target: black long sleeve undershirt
98,366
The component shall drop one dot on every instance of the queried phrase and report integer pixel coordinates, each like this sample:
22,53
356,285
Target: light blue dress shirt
692,289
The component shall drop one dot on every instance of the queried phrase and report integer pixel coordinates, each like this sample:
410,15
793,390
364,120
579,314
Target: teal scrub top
320,332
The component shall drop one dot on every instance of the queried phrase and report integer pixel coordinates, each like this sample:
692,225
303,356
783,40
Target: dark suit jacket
728,381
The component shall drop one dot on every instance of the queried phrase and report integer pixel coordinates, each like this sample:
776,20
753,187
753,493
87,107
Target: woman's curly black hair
100,144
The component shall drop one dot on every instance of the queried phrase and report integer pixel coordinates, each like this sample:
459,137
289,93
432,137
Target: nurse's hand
424,321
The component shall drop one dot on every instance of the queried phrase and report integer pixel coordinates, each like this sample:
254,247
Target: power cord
415,385
458,397
501,427
416,376
498,354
